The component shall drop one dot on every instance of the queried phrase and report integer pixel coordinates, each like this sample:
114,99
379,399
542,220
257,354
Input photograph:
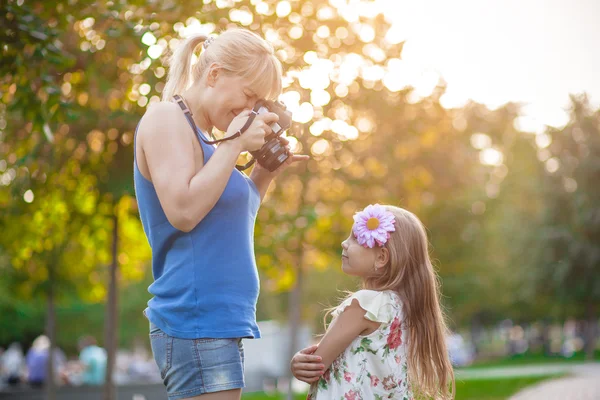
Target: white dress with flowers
374,366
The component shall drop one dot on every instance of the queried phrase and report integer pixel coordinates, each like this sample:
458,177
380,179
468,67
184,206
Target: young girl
387,340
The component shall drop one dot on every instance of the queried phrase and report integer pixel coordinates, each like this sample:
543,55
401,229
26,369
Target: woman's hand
266,174
254,137
262,177
307,367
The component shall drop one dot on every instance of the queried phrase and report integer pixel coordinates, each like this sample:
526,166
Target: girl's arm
305,366
343,330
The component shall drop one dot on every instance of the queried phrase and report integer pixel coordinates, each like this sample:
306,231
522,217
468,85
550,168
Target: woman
198,211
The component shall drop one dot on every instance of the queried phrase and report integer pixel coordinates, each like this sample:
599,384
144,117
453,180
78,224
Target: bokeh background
480,117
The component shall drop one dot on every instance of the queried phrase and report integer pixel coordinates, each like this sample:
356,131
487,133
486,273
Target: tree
569,256
64,128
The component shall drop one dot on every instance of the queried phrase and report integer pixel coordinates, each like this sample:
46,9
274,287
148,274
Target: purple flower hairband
373,225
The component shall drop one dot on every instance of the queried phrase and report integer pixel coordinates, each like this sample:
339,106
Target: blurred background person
90,369
93,360
13,364
37,361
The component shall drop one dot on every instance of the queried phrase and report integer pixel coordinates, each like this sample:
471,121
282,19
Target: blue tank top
205,281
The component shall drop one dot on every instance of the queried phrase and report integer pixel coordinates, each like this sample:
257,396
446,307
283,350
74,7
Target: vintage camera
274,152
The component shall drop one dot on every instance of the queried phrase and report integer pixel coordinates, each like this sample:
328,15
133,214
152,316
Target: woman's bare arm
185,195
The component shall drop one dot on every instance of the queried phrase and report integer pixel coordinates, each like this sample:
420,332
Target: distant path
584,384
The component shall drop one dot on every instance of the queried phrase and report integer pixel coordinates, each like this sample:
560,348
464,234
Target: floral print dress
374,366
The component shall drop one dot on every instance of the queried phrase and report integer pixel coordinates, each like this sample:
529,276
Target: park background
480,117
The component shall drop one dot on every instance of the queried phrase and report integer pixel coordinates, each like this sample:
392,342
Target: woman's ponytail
180,66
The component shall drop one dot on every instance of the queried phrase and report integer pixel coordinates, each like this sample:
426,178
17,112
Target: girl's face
358,260
229,96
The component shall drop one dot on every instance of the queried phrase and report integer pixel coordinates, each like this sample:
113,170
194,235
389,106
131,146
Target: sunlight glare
318,127
28,196
155,51
320,97
366,33
480,141
491,156
148,39
552,165
283,9
194,26
319,147
395,34
543,140
310,57
291,100
304,114
325,13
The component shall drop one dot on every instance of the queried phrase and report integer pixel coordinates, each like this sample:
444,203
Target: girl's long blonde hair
409,273
237,51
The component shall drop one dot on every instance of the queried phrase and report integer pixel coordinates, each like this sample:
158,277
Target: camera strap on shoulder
189,116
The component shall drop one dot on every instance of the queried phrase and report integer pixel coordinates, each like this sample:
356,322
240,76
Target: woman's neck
195,102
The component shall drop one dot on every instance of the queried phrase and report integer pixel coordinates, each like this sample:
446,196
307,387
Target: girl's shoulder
380,306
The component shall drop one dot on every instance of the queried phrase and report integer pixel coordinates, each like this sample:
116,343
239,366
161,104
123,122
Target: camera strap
189,116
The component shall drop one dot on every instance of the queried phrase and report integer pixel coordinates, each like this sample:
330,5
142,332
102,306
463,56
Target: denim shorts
191,367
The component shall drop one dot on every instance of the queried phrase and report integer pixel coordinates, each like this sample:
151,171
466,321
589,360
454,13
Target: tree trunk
546,337
591,331
295,308
295,299
476,332
51,333
110,325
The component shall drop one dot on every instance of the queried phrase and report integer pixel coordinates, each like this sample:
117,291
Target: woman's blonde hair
237,51
409,273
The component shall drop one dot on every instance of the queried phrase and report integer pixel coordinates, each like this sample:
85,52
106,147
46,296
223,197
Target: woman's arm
185,196
343,330
262,177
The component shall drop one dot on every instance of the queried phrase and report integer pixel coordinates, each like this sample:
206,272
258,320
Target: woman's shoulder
164,115
163,106
158,111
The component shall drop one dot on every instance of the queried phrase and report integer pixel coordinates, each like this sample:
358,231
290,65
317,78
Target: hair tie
373,225
207,42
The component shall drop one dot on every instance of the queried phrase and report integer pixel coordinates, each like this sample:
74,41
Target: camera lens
272,154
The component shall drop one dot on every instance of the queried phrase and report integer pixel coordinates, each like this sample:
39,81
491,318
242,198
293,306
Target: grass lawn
532,358
493,389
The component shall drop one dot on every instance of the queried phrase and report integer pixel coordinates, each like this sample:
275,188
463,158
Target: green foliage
570,248
61,146
24,319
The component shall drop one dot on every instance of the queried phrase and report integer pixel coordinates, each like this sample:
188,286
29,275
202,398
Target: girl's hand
307,367
254,137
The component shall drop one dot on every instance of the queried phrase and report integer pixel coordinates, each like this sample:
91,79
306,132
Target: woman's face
228,96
